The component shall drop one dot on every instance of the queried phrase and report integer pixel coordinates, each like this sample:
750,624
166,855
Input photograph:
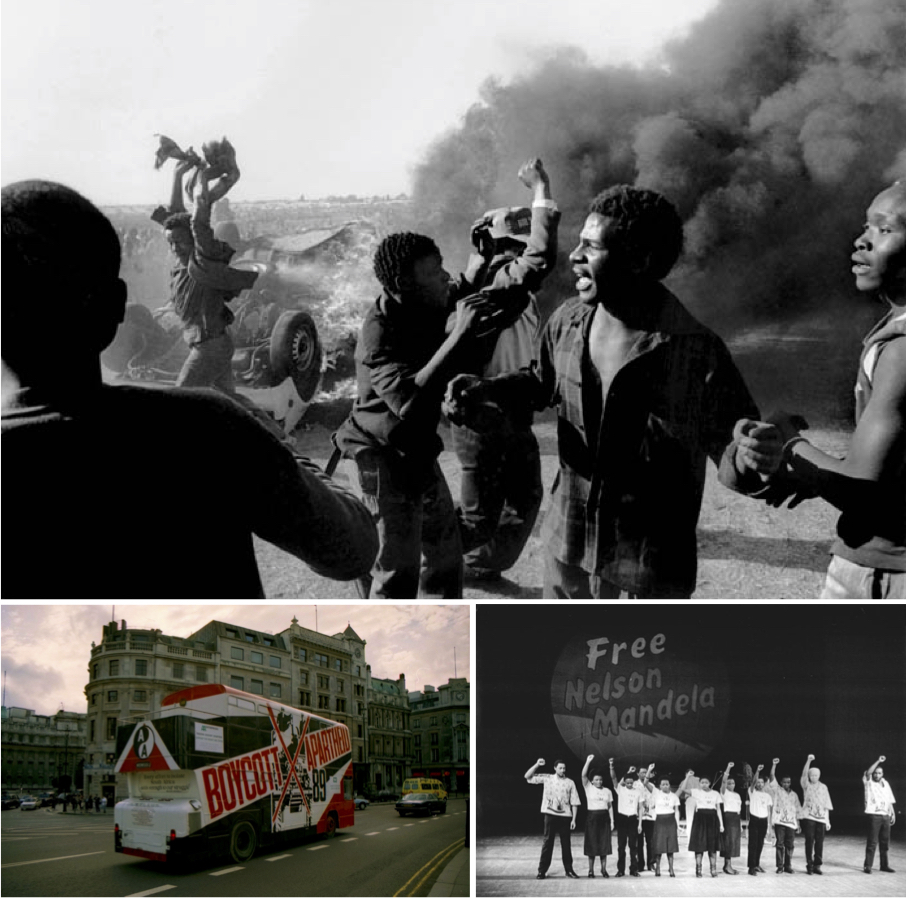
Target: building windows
323,682
303,677
305,699
361,709
358,670
237,654
201,674
112,695
276,690
341,685
256,657
114,668
324,702
94,698
257,686
433,721
459,718
141,667
322,660
179,670
250,637
361,754
111,728
95,669
232,632
269,640
91,730
359,689
462,745
302,654
418,755
341,704
337,664
418,740
435,739
416,724
140,695
360,733
274,661
435,754
237,683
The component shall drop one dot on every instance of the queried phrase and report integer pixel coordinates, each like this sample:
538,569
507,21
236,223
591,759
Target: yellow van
421,784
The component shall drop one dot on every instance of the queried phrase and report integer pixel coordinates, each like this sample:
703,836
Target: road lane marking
228,870
279,857
424,821
441,857
352,839
45,860
372,834
390,829
150,892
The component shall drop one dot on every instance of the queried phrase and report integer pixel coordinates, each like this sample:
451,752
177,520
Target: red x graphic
292,764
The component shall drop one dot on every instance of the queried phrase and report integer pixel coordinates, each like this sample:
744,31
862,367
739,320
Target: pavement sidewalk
454,878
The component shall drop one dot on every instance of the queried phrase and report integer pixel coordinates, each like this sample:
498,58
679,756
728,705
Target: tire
243,841
331,826
401,813
295,351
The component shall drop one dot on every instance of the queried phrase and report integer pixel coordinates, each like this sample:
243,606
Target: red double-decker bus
219,770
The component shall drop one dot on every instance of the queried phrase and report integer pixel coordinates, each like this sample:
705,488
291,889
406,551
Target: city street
383,854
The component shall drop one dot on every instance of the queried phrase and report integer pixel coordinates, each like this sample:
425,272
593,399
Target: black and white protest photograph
419,300
688,751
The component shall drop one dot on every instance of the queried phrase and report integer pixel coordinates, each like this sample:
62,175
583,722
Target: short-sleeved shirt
732,802
816,802
598,799
560,794
706,801
787,808
663,802
878,797
629,798
760,803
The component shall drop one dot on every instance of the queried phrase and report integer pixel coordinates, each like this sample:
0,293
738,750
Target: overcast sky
46,648
318,96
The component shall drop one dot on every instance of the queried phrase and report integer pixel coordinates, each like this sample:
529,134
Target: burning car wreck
279,359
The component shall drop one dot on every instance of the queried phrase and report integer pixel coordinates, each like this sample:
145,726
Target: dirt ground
747,551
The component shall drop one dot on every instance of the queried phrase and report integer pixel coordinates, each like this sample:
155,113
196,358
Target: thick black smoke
771,127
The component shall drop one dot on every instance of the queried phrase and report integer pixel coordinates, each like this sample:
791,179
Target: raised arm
773,777
757,774
803,780
613,774
871,769
723,784
585,769
534,769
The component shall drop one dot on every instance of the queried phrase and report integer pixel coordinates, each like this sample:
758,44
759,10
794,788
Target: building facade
42,753
389,733
132,670
440,733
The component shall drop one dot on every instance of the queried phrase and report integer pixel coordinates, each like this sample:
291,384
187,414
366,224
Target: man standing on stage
879,802
815,821
761,806
559,804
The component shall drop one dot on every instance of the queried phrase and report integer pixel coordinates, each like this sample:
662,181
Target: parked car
28,803
387,795
46,800
10,802
361,803
421,803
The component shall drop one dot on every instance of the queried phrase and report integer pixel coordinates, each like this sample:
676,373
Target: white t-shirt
598,799
629,800
560,795
760,803
705,801
732,802
878,797
664,802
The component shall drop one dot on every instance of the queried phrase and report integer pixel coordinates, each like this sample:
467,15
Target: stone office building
440,730
41,753
132,670
389,733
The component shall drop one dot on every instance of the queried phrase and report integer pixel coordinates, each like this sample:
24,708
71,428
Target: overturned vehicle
292,331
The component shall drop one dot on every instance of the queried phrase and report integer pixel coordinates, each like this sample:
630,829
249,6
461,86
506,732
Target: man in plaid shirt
645,395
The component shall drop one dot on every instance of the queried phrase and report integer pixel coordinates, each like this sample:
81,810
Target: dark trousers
501,493
420,551
553,827
784,851
814,842
878,837
568,581
645,843
627,834
209,364
758,829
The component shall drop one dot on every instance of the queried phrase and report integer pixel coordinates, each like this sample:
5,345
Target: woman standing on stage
707,825
599,822
732,808
665,805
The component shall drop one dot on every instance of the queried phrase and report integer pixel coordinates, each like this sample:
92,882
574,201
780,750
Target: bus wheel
331,826
243,841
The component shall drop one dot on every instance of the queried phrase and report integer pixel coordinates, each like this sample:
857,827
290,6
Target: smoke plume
770,126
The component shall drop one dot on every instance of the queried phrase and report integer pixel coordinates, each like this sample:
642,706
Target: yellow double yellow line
440,858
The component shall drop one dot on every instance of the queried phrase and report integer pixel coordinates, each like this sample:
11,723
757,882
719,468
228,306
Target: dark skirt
705,835
729,838
597,834
664,840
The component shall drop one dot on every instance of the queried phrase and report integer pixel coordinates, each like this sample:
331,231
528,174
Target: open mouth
584,283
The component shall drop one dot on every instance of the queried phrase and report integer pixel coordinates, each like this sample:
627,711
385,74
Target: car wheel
331,826
401,813
295,351
243,841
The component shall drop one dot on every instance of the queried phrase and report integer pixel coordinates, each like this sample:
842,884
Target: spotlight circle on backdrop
640,696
